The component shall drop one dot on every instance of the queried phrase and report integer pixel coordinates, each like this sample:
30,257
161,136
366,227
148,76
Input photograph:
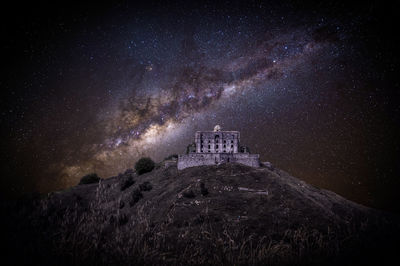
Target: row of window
215,151
209,141
216,146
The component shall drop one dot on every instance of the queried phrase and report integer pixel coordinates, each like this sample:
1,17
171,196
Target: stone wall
252,160
195,159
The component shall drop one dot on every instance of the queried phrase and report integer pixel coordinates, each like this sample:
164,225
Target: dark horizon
311,87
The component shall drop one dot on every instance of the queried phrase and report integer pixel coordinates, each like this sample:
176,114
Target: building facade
215,147
217,141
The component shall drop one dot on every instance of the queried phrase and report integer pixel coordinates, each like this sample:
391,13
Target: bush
123,219
189,194
144,165
203,189
146,186
89,179
127,183
136,196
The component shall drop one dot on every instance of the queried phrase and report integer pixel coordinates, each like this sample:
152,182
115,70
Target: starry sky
311,87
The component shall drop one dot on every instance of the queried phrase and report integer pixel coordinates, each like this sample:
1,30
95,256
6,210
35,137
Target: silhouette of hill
227,214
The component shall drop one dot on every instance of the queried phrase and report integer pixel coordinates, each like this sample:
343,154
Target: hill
227,214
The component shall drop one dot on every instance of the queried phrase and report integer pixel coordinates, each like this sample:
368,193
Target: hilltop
223,214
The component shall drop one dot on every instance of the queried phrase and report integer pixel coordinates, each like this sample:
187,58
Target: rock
268,165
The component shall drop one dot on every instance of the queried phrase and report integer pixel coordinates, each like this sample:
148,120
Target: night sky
311,87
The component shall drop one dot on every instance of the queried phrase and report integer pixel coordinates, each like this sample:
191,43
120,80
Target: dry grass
101,232
93,237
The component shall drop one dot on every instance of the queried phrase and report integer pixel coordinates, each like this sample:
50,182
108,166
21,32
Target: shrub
136,196
144,165
189,194
127,183
123,219
146,186
78,197
203,189
89,179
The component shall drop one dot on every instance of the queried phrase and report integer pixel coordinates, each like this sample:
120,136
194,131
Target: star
311,90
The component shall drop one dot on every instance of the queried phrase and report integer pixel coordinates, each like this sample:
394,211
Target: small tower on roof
217,128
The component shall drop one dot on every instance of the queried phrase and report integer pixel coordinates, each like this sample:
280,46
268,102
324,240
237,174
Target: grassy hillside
228,214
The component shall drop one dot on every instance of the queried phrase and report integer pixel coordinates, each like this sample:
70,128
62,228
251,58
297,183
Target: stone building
215,147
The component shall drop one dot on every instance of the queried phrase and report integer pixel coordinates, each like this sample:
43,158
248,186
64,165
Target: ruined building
215,147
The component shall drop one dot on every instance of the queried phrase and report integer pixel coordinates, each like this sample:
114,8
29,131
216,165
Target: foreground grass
107,232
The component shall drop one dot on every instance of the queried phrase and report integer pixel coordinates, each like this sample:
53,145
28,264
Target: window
209,141
231,141
231,146
201,141
201,151
208,146
224,146
209,151
224,150
224,141
201,145
216,146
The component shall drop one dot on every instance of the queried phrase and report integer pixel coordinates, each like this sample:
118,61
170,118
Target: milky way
150,118
98,90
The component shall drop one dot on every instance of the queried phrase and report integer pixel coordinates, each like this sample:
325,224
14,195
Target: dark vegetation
127,183
145,186
203,189
144,165
248,217
123,219
189,194
89,179
136,196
